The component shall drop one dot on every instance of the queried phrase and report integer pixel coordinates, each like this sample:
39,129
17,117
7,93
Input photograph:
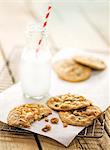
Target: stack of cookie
78,68
74,110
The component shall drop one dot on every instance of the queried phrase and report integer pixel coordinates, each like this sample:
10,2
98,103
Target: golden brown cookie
69,70
80,117
54,120
68,102
24,115
91,62
46,128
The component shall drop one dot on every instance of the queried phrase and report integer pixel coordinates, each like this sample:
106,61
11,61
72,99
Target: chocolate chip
46,119
82,109
42,116
56,105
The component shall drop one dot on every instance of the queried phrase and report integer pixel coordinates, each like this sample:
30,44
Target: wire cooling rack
94,131
14,130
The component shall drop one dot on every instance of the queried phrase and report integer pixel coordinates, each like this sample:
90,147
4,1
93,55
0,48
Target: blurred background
80,24
73,23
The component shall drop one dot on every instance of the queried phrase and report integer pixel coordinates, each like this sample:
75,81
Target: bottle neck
33,36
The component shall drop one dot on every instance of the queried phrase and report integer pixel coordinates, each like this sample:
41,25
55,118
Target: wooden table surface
74,24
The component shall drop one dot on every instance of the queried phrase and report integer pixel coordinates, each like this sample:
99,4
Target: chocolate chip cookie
69,70
68,102
91,62
80,117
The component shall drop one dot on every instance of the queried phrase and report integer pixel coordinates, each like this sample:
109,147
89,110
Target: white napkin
95,89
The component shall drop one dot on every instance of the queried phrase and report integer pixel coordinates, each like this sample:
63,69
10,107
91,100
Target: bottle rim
32,29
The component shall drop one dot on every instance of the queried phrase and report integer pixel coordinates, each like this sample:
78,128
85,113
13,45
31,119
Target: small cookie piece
80,117
46,128
69,70
24,115
92,62
54,120
65,125
68,102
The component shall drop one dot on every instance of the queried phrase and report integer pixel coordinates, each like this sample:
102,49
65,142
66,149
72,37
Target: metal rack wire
94,131
14,130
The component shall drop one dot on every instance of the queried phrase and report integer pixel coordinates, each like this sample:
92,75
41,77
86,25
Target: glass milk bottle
35,67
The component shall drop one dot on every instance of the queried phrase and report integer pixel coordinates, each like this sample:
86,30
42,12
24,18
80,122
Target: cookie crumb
46,120
54,120
46,128
65,125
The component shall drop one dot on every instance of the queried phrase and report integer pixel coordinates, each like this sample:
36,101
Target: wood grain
9,141
48,144
12,142
78,143
71,28
81,27
91,14
79,34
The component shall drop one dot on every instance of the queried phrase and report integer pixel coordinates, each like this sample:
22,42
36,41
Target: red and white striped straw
44,25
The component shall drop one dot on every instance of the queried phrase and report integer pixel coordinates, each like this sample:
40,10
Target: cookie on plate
24,115
68,102
80,117
91,62
69,70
